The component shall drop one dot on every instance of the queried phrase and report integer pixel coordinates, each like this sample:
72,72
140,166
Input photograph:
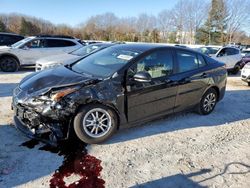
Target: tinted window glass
231,51
37,43
53,43
187,61
157,64
201,61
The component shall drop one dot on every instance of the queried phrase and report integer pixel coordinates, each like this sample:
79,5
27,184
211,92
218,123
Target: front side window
157,64
231,51
37,43
187,61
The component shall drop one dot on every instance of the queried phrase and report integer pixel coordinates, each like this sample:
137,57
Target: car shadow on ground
234,107
7,89
20,71
185,180
19,165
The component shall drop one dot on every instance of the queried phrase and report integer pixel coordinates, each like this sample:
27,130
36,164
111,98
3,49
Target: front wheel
208,102
9,64
95,123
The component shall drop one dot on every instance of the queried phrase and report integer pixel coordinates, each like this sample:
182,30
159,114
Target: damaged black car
120,86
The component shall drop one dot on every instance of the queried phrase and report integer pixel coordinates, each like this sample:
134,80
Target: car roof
143,47
139,47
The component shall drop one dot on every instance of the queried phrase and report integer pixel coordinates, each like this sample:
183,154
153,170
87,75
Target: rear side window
53,43
187,61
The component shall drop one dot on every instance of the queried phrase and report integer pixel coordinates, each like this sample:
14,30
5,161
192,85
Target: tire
9,64
205,107
248,83
85,123
236,69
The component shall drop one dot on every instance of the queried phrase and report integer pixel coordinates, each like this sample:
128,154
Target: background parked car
209,50
245,73
28,50
245,52
66,58
231,56
7,39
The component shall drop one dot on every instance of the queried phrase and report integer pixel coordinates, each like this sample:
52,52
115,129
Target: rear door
193,79
154,98
57,46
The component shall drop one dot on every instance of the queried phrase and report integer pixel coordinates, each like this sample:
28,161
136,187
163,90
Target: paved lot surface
184,150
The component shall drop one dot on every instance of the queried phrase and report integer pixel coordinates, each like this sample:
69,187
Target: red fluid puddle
76,162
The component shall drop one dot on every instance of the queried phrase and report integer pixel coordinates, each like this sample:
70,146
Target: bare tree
239,17
166,24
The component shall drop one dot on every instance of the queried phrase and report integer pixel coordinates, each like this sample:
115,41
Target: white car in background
208,50
245,73
245,52
66,58
28,50
231,56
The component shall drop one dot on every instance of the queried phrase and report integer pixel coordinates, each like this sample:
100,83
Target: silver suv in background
66,58
231,56
28,50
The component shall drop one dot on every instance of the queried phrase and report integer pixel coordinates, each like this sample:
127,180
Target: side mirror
142,77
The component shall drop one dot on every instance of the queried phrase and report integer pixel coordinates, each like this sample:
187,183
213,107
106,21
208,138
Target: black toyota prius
120,86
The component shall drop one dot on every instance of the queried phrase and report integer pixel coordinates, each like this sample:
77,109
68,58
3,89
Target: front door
154,98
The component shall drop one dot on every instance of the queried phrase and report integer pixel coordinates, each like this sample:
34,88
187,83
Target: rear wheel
9,64
208,102
95,123
236,69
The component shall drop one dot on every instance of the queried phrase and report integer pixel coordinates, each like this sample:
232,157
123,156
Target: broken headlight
59,94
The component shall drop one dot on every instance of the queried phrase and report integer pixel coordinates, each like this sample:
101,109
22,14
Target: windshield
208,50
105,62
85,50
21,42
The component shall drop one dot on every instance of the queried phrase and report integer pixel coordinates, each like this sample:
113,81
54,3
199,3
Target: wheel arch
216,88
103,104
10,55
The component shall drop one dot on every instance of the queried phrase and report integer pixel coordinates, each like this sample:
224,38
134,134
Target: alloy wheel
209,102
97,123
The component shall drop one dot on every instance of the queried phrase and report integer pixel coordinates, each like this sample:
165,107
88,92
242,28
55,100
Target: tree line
188,22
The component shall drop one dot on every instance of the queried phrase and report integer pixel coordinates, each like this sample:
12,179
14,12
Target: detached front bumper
21,126
33,126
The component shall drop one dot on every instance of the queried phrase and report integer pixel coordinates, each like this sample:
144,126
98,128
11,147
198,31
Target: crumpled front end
48,115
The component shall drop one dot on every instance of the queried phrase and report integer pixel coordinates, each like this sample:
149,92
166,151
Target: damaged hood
52,78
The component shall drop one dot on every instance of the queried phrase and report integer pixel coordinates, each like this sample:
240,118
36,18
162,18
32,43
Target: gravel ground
183,150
